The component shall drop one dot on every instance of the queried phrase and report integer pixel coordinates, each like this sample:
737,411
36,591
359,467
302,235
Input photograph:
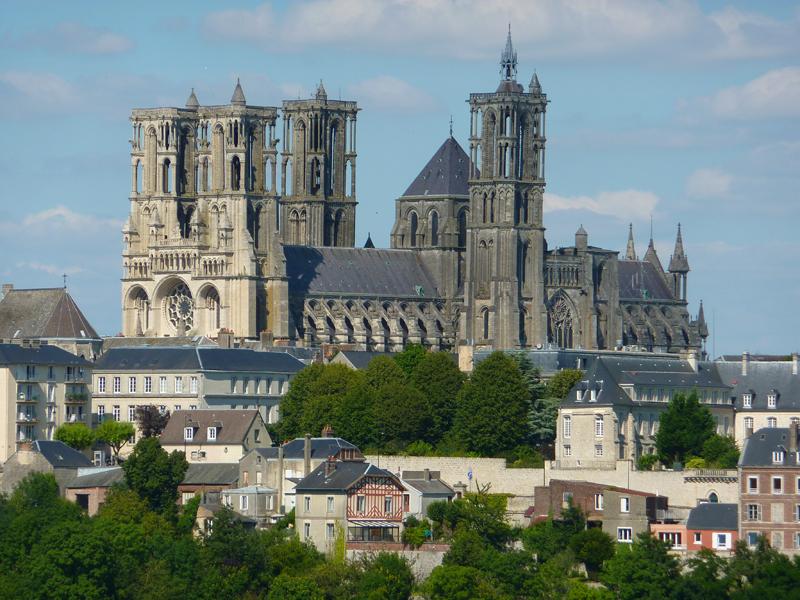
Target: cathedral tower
318,171
503,291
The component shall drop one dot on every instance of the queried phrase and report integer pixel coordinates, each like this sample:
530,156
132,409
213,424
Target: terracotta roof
43,313
232,426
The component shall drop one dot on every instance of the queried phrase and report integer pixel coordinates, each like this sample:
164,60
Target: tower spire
702,326
679,263
630,251
508,59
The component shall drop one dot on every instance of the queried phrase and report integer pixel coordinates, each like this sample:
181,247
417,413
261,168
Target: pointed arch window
485,323
434,228
462,228
561,323
413,226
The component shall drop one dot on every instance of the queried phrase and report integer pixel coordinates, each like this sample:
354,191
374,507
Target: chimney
427,475
280,479
795,363
745,363
330,466
307,455
225,338
793,437
327,431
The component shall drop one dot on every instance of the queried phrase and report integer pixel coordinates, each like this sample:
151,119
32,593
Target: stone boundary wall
423,561
683,488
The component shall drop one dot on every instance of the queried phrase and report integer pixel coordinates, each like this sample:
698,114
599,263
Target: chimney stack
307,455
795,363
330,466
745,363
427,476
793,437
327,431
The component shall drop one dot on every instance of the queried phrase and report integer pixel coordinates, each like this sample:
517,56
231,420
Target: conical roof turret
321,93
238,95
679,263
702,327
369,243
192,103
508,59
535,87
630,251
652,257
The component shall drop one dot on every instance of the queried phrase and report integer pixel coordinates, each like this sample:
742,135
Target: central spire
508,59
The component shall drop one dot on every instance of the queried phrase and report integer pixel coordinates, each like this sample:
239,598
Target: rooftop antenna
651,226
64,275
451,125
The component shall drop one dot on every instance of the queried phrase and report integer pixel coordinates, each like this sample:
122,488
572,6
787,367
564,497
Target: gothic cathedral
226,234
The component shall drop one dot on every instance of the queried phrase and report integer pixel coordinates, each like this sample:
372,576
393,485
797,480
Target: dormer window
188,433
578,395
777,457
747,400
212,433
772,400
593,396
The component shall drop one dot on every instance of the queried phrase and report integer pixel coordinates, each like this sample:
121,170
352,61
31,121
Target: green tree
386,576
438,378
75,435
705,577
286,587
559,385
410,357
150,420
454,582
383,370
481,513
116,434
721,451
400,415
592,547
354,421
644,570
493,407
646,462
683,428
155,475
293,403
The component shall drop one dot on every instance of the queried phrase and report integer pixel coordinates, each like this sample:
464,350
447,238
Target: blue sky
684,111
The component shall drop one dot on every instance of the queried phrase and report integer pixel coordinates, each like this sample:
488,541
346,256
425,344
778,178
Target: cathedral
227,233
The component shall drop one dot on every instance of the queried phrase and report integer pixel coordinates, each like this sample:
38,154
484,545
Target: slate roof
640,280
61,456
155,342
101,477
343,477
758,448
202,358
713,516
433,486
358,271
614,371
43,313
445,174
233,426
761,379
321,447
16,354
360,358
211,474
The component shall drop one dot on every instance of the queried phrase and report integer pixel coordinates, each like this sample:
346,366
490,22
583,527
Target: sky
660,111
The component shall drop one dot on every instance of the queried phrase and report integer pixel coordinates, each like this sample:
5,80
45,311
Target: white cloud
80,39
774,94
64,219
41,90
389,93
624,204
541,28
49,268
708,183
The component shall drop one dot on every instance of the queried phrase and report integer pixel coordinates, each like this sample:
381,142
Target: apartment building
41,387
176,378
769,476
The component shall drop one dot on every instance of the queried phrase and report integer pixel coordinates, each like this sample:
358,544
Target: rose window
180,307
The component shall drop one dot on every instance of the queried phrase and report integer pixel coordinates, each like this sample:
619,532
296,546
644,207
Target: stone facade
213,242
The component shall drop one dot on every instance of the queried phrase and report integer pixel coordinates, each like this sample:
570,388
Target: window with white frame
330,504
748,422
772,400
772,422
797,512
101,384
131,413
673,538
361,504
797,485
307,503
131,385
243,502
177,407
245,385
233,385
698,537
101,411
721,541
777,485
212,433
777,456
747,400
567,422
567,450
625,535
162,385
330,531
193,384
188,433
148,384
387,505
598,501
598,450
752,484
162,409
625,504
117,385
193,407
752,538
753,512
599,426
178,384
307,530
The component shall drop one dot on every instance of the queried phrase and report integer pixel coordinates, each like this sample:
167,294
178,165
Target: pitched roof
640,280
761,379
758,448
445,174
97,477
43,313
211,474
238,94
60,455
362,271
16,354
321,447
710,515
232,426
155,342
359,359
426,485
202,358
343,476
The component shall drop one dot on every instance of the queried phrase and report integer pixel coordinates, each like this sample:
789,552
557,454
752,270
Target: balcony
27,418
75,398
75,418
25,399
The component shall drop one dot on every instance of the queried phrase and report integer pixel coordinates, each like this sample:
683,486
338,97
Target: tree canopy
683,428
75,435
116,434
